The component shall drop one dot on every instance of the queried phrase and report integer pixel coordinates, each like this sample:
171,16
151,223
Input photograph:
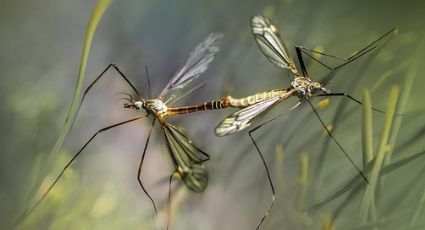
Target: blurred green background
41,44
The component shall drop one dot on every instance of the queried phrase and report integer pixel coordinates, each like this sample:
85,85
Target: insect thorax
305,87
156,106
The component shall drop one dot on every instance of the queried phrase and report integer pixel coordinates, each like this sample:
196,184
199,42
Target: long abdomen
258,97
211,105
228,101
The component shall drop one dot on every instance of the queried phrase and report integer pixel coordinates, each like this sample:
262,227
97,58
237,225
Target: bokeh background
41,44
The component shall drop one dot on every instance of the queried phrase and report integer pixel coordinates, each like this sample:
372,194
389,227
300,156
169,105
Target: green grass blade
404,96
357,180
97,13
421,205
367,141
373,180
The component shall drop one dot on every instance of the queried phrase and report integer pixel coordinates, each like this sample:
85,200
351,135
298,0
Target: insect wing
270,43
242,118
187,158
196,64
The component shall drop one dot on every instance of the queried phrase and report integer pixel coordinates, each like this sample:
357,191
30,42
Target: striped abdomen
229,101
258,97
211,105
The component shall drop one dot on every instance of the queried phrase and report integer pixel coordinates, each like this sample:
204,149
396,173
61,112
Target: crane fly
270,43
187,158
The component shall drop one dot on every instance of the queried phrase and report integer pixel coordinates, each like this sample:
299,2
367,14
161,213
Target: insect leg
72,160
307,51
264,162
349,97
102,74
372,46
268,177
140,167
336,142
169,200
112,65
301,61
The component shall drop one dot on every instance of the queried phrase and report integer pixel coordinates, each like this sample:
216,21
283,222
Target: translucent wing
196,64
187,158
269,41
242,118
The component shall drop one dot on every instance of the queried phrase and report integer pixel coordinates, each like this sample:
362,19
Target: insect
270,43
187,158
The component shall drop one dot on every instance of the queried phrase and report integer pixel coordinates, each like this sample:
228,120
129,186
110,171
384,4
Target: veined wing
242,118
187,158
196,64
270,43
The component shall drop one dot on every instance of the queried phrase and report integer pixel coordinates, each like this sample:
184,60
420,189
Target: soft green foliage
99,10
368,198
41,55
367,131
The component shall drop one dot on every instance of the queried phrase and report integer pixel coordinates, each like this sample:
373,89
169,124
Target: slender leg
301,49
268,177
102,74
373,45
301,61
275,117
264,162
112,65
140,167
336,142
73,159
169,200
347,96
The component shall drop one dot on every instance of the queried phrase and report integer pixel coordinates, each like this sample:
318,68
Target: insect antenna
149,82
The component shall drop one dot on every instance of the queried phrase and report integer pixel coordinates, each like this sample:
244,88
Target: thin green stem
97,13
373,180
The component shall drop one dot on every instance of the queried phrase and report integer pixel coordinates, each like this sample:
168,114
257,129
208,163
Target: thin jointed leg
372,46
268,177
140,167
336,142
103,74
349,97
169,200
75,157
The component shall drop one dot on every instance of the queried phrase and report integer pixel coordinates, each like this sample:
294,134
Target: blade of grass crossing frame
373,180
367,141
411,74
97,13
358,181
418,211
404,96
